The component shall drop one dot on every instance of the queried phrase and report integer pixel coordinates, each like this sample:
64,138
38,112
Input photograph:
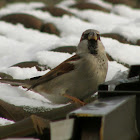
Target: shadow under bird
77,77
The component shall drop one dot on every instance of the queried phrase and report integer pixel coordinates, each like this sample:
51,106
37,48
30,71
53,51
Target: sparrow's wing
63,68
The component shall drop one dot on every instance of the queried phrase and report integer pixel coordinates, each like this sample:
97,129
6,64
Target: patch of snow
113,69
24,73
102,3
130,31
105,18
31,36
52,59
66,3
68,25
136,22
126,11
4,121
19,96
20,6
124,53
11,49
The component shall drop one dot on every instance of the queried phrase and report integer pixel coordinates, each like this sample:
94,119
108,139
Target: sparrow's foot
74,99
39,124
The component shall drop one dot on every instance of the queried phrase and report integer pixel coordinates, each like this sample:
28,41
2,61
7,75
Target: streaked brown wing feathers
63,68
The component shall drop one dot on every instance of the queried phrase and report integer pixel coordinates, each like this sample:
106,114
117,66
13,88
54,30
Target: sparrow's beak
92,36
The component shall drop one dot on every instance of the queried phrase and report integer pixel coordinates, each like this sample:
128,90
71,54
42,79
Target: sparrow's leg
39,124
74,99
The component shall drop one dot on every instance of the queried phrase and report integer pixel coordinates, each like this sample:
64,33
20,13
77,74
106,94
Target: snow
66,3
19,44
13,8
29,36
101,3
93,16
4,121
130,31
12,49
112,23
29,100
49,58
113,69
124,53
24,73
126,11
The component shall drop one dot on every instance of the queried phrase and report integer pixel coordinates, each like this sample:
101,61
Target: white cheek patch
83,47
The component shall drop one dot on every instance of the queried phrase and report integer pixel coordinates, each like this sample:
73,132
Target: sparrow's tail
14,82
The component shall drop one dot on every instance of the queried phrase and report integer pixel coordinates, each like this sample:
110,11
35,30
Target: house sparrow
77,77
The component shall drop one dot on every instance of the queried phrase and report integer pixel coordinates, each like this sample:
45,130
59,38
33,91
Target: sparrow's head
89,42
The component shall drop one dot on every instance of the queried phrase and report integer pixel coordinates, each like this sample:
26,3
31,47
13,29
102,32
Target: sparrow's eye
84,36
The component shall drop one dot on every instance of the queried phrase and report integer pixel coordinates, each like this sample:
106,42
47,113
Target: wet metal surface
102,106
